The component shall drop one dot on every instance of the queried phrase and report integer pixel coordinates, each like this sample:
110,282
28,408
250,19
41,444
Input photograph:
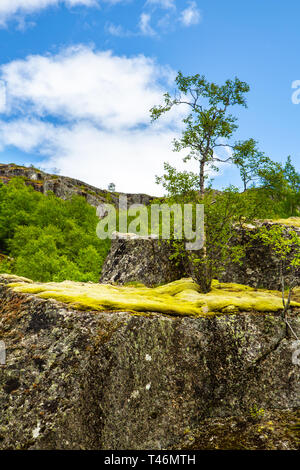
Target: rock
149,263
132,236
115,380
140,259
260,267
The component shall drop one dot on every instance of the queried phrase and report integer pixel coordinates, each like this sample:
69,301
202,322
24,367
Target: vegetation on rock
176,298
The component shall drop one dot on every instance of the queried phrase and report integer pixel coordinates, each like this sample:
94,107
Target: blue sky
78,78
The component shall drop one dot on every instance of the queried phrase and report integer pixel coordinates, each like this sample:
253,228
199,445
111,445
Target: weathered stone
149,262
90,380
140,260
259,267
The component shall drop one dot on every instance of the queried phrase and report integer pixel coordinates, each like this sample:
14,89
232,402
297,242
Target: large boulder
142,260
150,261
260,267
115,380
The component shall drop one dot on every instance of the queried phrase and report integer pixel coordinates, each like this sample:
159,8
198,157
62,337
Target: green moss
177,298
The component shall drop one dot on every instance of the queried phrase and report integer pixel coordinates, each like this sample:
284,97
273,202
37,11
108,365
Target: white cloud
25,134
116,30
9,8
100,105
165,4
145,26
130,159
191,15
79,83
2,96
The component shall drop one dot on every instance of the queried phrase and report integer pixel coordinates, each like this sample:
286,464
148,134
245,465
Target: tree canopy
46,238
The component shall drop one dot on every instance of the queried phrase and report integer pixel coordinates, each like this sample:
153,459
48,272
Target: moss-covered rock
78,379
176,298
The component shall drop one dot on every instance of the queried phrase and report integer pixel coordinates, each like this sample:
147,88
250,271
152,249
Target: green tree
285,245
112,187
179,185
249,160
209,123
282,184
48,239
226,214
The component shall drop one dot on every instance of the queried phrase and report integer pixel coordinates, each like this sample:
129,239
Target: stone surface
133,259
146,261
260,267
115,380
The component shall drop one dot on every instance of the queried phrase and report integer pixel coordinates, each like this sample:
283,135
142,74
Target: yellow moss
15,278
291,222
177,298
296,294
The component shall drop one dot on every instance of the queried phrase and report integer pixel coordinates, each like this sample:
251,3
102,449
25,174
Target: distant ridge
64,187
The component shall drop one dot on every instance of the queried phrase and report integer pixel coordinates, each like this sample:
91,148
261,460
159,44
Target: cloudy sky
78,78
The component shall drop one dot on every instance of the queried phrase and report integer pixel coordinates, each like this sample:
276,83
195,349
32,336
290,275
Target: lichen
176,298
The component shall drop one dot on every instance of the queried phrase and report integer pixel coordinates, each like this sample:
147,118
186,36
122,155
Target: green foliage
256,413
180,186
249,161
283,244
49,239
222,211
282,184
209,123
223,214
286,246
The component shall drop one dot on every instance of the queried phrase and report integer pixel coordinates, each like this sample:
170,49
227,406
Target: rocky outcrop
260,266
146,261
114,380
64,187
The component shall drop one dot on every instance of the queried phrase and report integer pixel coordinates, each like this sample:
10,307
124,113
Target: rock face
260,267
64,187
90,380
148,262
140,260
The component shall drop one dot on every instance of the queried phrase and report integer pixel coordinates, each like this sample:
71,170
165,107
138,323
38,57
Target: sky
78,79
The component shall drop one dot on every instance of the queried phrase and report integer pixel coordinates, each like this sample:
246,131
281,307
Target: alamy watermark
2,353
296,93
163,221
296,353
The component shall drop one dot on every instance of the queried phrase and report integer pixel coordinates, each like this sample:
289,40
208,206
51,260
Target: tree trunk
200,271
201,178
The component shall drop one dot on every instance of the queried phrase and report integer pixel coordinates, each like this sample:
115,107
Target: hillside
64,187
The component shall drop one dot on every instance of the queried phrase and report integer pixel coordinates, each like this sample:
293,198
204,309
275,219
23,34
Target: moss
296,294
177,298
291,221
12,277
271,430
